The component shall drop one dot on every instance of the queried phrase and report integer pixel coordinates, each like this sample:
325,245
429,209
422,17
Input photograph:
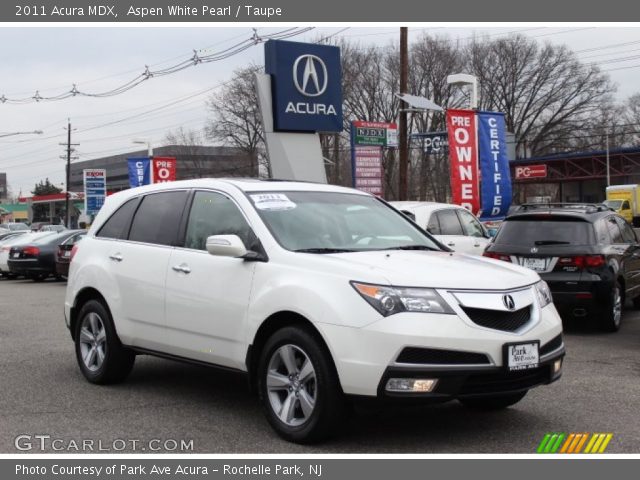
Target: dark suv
589,256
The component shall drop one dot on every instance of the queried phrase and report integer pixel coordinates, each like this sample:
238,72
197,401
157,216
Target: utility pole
69,149
402,134
608,171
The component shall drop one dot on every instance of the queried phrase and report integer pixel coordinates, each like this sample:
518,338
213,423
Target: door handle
183,267
116,257
476,244
451,244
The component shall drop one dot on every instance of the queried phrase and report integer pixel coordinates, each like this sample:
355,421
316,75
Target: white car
6,245
319,293
452,225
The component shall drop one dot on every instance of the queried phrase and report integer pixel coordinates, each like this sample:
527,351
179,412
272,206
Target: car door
631,259
139,264
451,233
207,295
475,232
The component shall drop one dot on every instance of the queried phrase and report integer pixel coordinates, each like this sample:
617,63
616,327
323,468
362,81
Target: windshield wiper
550,242
412,247
323,250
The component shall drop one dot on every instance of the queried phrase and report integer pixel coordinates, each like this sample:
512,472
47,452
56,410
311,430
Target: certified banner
164,169
463,155
139,171
494,165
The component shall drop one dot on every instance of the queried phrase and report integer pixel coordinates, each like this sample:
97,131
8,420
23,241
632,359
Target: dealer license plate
537,264
522,356
16,255
67,253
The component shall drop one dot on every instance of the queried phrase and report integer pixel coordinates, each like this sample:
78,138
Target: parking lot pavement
43,393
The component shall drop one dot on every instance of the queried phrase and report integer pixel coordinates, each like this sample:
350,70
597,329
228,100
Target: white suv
321,294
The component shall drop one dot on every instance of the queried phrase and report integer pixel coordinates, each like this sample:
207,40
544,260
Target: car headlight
544,294
390,300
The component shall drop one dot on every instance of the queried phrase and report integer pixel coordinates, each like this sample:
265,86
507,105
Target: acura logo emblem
310,75
534,249
509,302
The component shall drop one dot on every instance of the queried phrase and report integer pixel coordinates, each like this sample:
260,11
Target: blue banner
495,180
139,171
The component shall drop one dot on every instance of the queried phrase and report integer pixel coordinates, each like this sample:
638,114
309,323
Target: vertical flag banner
164,169
463,154
139,171
494,165
95,189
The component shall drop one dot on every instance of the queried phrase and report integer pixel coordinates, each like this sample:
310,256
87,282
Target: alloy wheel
93,341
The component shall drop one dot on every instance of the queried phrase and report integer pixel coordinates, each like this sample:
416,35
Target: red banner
164,169
463,154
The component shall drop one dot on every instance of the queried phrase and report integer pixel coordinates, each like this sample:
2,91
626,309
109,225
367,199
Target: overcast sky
50,60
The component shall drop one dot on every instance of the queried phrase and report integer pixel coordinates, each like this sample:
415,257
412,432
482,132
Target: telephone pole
69,149
402,137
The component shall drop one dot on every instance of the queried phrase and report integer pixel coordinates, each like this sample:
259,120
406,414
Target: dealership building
191,162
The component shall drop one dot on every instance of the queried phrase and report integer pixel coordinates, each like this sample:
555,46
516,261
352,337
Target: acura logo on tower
509,302
310,75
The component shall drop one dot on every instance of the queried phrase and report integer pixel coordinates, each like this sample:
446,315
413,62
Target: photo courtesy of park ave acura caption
288,239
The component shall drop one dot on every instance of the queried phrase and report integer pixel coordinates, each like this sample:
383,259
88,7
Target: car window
625,205
449,223
534,231
158,217
602,232
628,235
215,214
614,230
470,225
118,223
433,226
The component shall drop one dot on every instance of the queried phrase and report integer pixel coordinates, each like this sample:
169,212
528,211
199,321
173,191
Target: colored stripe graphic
574,442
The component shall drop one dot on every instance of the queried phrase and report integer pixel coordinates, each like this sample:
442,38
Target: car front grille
505,382
498,319
551,345
433,356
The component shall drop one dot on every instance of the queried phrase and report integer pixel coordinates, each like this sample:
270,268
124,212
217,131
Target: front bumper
364,356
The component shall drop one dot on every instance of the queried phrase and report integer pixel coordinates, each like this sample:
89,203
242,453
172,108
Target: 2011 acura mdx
321,294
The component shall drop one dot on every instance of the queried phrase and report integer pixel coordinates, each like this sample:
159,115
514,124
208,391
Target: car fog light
410,385
557,366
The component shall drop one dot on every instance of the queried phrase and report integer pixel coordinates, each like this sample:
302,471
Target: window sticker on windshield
272,201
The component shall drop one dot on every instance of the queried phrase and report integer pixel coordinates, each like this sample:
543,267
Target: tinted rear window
158,217
545,232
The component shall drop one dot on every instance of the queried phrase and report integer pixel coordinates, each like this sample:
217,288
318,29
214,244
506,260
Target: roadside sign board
367,170
375,133
433,142
95,189
531,171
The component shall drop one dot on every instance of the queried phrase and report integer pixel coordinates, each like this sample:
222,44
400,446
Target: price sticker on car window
272,201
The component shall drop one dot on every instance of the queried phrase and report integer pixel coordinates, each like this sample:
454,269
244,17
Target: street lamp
464,79
141,141
35,132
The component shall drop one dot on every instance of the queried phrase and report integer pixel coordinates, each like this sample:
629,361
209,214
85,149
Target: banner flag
164,169
139,171
494,165
463,154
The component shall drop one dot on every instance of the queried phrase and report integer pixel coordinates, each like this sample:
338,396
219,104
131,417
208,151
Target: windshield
615,204
331,222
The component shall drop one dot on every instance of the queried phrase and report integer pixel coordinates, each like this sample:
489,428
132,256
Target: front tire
493,402
101,357
299,387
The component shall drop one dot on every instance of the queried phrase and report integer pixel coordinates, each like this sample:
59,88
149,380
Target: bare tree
188,143
235,116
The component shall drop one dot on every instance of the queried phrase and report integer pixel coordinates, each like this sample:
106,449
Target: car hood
435,269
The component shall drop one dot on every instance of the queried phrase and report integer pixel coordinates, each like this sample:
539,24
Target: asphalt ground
42,393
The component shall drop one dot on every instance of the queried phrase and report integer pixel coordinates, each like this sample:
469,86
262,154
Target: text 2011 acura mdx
321,294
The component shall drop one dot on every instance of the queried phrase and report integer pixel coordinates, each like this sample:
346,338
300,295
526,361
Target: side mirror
226,246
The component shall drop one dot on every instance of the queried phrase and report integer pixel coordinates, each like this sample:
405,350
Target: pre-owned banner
164,169
494,165
139,172
463,154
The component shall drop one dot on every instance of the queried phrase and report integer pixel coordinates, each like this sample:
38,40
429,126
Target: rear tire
299,387
39,277
611,317
493,402
101,357
636,303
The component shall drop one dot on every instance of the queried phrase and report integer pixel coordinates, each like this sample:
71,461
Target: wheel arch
83,296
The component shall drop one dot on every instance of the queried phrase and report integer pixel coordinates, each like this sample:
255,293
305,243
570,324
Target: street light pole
608,173
402,127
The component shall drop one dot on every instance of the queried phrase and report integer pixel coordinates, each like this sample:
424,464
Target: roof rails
581,207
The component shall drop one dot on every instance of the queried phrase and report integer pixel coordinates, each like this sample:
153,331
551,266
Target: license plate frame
534,263
508,354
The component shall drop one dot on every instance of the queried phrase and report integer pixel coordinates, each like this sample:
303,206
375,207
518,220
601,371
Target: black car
589,256
36,260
